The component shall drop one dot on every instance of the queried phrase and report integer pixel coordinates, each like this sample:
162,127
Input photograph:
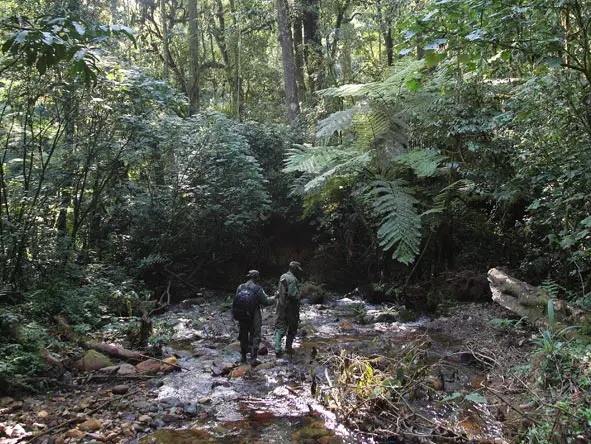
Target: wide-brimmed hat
293,265
253,274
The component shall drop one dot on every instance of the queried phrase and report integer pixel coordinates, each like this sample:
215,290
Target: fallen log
525,299
114,351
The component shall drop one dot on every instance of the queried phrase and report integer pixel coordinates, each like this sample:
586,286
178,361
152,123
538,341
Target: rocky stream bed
459,391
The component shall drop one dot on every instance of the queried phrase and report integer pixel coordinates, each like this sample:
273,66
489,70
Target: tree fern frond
310,159
400,225
449,193
423,162
390,87
349,166
339,121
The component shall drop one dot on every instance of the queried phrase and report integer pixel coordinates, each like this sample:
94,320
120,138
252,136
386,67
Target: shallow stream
274,402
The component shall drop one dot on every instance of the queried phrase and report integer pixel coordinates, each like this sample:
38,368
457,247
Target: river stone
171,402
126,369
5,400
148,366
120,389
265,365
155,383
145,418
142,406
74,433
93,360
190,409
221,368
90,425
110,369
375,316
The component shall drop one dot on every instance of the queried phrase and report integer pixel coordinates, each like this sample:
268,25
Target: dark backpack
245,303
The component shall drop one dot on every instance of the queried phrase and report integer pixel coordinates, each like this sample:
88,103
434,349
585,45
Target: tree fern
322,164
400,225
423,162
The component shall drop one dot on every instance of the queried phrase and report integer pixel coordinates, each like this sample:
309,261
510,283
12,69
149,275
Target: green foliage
47,41
399,222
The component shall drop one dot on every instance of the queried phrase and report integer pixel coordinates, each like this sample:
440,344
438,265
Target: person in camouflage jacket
288,308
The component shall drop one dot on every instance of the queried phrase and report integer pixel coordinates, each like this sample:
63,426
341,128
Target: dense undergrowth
539,391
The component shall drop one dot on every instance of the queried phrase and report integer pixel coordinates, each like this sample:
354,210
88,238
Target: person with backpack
246,309
288,308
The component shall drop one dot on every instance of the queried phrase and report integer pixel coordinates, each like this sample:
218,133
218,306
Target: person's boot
278,352
289,345
253,357
242,357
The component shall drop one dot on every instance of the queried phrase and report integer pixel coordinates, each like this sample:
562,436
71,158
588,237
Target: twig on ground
511,406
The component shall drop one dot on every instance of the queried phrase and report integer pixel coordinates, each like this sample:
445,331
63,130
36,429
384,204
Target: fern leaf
341,169
339,121
423,162
442,201
400,225
309,159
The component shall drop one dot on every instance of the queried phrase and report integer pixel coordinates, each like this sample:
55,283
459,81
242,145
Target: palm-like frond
391,86
400,225
336,122
423,162
320,164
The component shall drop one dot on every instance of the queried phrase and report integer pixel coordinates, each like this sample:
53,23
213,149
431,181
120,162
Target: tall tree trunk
298,48
289,78
313,46
389,42
166,48
193,82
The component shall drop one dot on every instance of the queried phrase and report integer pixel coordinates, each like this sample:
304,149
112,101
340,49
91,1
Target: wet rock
145,419
111,369
375,316
155,383
263,351
126,369
75,433
6,400
190,409
93,360
90,425
148,366
158,423
120,389
266,365
347,302
221,368
142,406
171,402
315,294
240,371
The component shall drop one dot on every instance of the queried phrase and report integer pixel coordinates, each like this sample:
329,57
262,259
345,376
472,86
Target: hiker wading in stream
246,309
288,308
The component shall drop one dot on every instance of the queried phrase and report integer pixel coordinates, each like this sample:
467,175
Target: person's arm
263,299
